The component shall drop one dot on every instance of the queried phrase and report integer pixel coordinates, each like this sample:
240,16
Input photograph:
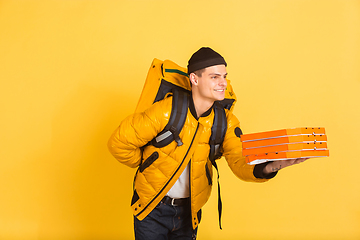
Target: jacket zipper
192,141
190,198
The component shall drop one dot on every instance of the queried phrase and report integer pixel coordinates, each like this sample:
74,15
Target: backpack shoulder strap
218,131
180,104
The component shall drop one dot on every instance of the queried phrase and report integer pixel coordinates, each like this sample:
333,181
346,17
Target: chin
220,97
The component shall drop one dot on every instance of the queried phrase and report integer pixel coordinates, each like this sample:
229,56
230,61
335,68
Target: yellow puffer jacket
161,167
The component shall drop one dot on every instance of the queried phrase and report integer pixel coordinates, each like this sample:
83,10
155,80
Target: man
173,182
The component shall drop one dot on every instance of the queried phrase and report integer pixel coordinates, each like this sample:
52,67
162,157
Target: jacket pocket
149,161
208,175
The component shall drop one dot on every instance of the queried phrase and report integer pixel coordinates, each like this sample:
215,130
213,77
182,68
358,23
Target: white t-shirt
181,186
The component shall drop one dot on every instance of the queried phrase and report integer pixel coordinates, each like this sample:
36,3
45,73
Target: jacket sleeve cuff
259,171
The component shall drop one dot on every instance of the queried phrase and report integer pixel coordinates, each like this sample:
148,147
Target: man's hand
277,165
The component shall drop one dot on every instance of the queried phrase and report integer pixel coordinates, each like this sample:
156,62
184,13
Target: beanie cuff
207,63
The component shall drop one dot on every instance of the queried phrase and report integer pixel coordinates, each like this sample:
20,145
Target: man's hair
199,72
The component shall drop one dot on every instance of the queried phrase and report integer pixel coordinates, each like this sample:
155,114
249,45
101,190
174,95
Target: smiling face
211,85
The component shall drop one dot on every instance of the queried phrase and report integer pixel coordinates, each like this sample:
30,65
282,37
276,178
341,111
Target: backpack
166,78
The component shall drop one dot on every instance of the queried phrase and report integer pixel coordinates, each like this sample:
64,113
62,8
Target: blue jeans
166,222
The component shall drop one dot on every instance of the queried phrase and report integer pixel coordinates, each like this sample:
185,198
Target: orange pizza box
285,147
274,156
284,139
283,132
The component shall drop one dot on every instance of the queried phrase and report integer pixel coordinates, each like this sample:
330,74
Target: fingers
277,165
290,162
300,160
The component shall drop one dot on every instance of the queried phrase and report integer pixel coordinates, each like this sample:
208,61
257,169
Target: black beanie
203,58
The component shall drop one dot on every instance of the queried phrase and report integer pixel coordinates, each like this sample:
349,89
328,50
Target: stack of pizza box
284,144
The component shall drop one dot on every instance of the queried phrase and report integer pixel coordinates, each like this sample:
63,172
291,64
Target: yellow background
70,71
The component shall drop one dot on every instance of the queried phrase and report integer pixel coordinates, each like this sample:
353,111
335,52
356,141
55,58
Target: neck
201,105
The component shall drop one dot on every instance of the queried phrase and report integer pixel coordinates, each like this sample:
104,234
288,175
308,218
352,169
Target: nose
223,82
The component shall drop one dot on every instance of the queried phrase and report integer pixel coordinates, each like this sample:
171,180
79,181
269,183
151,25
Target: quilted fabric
154,180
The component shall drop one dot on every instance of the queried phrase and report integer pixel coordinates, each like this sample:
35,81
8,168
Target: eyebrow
218,74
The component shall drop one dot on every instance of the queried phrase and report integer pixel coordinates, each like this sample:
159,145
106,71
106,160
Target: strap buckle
177,139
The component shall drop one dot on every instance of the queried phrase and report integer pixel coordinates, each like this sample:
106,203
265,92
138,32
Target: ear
194,79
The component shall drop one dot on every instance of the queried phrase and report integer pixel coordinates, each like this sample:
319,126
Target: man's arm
232,151
136,131
233,154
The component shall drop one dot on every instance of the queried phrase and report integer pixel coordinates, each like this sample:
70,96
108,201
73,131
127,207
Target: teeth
219,90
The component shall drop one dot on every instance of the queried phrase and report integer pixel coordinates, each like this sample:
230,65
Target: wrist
272,167
268,169
260,172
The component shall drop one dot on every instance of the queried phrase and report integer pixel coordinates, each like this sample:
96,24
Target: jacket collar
193,111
